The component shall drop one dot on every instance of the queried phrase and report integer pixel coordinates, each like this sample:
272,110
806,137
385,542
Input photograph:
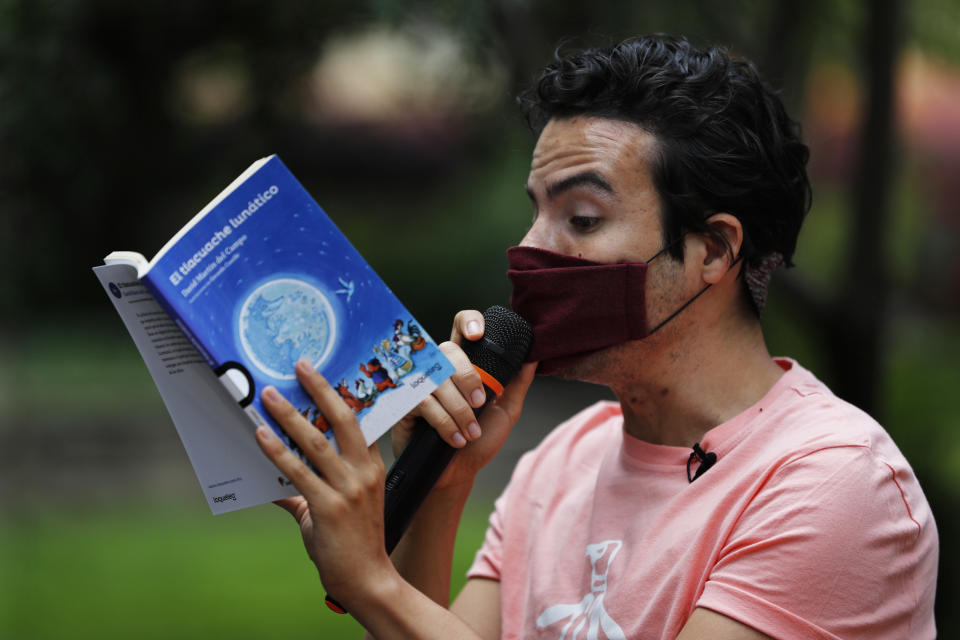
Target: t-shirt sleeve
489,558
838,543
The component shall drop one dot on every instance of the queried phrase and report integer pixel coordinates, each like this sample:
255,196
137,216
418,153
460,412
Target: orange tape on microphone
492,383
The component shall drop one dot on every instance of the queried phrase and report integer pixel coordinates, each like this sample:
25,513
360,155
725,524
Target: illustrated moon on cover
285,320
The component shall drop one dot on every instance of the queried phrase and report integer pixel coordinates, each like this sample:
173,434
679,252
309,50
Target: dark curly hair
726,143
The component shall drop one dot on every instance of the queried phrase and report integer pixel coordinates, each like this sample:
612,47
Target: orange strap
490,381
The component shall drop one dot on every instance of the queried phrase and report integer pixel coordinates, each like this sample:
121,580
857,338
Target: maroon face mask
578,306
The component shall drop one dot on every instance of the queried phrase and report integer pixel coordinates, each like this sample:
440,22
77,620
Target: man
726,494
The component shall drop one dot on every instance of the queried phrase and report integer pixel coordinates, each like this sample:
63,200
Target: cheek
666,289
614,244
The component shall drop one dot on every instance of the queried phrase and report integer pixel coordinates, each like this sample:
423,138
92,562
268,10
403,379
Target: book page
215,432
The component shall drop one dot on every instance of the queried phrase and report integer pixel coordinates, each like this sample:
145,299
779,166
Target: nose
540,235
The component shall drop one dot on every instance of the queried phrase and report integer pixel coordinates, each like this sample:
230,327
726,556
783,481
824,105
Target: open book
258,279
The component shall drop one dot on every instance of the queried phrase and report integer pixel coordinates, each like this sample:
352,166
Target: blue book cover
262,277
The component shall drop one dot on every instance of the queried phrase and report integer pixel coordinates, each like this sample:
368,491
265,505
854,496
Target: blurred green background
119,120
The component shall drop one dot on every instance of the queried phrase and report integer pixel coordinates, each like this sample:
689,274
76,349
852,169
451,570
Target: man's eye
584,223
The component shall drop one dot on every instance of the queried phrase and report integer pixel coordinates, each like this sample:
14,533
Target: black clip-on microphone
706,459
497,356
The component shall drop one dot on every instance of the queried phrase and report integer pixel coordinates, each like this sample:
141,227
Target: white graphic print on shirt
589,611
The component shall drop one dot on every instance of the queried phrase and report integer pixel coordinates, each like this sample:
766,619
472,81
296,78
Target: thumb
294,506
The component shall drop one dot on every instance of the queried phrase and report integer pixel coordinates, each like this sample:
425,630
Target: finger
455,405
465,375
303,478
314,444
374,452
467,324
446,427
401,431
340,416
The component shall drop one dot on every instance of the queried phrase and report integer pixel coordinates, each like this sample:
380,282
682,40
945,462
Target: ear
722,246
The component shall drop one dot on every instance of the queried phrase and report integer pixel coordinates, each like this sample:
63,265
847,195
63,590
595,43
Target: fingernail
264,433
304,365
270,393
474,430
473,328
477,397
459,440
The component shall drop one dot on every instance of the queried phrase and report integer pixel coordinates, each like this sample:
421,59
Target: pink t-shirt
810,525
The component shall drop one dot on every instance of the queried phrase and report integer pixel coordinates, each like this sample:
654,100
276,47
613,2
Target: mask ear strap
665,248
688,302
682,307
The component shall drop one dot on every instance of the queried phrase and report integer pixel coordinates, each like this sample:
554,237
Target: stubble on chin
609,367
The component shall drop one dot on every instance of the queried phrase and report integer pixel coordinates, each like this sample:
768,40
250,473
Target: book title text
222,234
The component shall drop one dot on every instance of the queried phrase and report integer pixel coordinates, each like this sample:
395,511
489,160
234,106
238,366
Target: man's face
592,191
593,197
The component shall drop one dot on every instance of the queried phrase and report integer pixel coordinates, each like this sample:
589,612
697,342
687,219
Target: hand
450,408
340,511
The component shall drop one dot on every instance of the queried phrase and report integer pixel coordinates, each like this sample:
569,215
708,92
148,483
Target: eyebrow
594,181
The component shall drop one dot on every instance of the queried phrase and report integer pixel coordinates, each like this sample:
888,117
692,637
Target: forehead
619,150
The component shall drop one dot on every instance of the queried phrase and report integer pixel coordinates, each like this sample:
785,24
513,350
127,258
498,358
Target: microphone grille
506,341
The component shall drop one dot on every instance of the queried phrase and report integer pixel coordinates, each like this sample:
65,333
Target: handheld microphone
497,356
